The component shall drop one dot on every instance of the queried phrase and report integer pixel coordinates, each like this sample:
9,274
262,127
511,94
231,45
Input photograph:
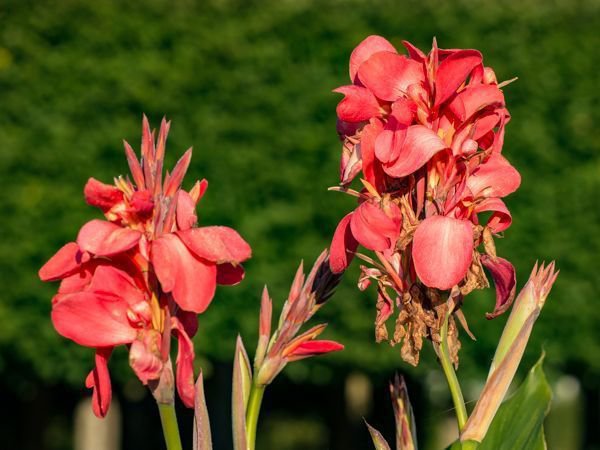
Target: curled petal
453,71
186,211
64,262
144,356
99,380
103,238
420,144
388,75
414,52
496,177
475,98
229,275
197,192
390,141
93,320
505,280
500,219
142,204
216,244
185,364
442,251
191,281
359,104
363,51
109,280
373,228
101,195
343,246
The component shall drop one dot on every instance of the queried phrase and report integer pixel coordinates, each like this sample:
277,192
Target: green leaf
518,424
241,385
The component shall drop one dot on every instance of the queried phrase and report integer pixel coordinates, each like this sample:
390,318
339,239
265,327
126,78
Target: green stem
252,413
457,396
168,418
469,445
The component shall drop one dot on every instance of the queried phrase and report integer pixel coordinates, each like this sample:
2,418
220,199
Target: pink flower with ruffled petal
144,273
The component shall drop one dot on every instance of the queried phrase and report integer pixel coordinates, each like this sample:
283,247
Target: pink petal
101,195
142,204
314,348
359,104
343,246
453,71
373,228
442,251
475,98
109,280
500,219
103,238
389,143
370,166
364,50
64,262
388,75
186,211
494,178
144,356
505,280
93,320
185,364
191,280
414,52
419,146
99,380
228,274
217,244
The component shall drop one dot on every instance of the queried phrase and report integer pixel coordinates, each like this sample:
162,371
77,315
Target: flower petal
185,364
496,177
103,238
93,320
217,244
370,166
99,380
229,275
144,356
500,219
442,251
186,211
64,262
363,51
475,98
101,195
191,281
373,228
419,146
343,246
505,280
388,75
358,104
314,348
453,71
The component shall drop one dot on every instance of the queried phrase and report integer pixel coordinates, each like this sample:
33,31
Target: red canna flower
143,274
426,131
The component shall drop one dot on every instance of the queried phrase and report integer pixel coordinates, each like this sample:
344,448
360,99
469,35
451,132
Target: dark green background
248,84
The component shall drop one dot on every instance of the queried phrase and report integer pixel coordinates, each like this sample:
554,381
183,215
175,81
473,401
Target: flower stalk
252,413
168,419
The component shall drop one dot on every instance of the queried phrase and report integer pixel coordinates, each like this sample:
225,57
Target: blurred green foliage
248,84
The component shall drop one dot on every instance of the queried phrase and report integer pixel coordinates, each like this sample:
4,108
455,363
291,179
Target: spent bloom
424,133
144,273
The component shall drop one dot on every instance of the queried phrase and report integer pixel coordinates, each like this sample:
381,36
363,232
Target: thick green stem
457,396
168,418
252,413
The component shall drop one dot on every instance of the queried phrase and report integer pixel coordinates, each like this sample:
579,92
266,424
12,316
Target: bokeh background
248,84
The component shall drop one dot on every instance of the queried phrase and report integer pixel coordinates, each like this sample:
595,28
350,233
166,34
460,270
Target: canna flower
143,274
424,133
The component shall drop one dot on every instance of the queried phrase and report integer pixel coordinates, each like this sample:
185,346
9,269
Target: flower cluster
426,132
143,274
